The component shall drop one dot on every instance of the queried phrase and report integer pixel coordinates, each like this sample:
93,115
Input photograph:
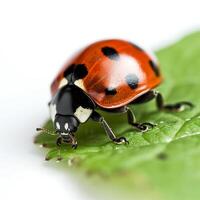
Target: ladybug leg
74,142
148,96
132,121
58,143
177,107
98,118
70,139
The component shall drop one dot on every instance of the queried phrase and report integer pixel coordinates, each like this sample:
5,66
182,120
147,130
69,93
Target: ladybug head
65,124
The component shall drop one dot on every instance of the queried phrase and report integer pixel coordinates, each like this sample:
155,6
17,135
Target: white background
36,37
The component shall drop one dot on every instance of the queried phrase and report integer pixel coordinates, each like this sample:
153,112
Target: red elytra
118,72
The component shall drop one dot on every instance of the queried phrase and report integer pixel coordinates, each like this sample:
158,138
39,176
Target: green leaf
163,163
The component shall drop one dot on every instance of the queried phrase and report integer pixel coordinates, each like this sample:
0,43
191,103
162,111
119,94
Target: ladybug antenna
46,131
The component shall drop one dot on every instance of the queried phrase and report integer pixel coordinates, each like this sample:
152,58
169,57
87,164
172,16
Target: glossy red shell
107,72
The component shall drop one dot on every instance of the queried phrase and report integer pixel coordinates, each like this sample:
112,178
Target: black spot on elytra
137,47
110,91
154,67
162,156
110,53
132,81
69,70
80,71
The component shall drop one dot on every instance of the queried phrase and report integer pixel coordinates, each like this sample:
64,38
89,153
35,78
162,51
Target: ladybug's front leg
177,107
132,121
58,143
97,117
70,139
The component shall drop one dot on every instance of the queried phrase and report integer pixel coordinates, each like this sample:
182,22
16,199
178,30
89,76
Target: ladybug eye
66,126
57,125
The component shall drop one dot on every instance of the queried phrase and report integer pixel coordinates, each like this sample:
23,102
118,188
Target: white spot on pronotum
79,83
63,82
66,126
161,122
57,125
188,119
52,109
83,114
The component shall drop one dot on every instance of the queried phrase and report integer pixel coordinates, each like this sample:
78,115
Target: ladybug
108,75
